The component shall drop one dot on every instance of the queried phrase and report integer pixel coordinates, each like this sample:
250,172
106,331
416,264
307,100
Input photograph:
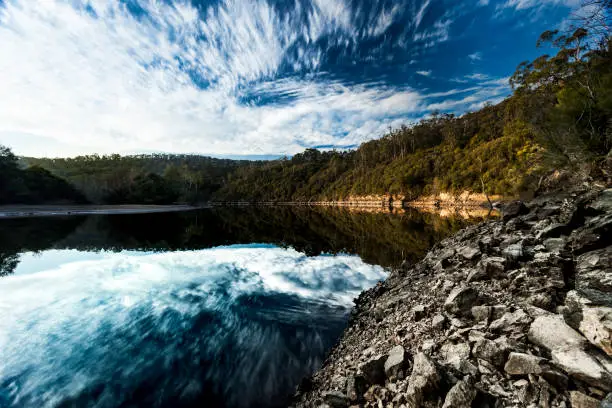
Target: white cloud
526,4
421,13
477,76
77,80
437,34
477,56
111,82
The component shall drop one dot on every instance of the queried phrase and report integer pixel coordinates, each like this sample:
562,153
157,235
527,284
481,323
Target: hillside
142,179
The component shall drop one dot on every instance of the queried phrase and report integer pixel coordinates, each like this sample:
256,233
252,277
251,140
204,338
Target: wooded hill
142,179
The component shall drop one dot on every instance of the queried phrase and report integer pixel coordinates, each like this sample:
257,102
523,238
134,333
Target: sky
250,78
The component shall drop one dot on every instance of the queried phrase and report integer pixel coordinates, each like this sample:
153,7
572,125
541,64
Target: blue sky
250,77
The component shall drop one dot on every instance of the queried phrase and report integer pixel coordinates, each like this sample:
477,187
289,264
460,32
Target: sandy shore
17,211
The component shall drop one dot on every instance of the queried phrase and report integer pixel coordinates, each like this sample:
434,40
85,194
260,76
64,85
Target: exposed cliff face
509,313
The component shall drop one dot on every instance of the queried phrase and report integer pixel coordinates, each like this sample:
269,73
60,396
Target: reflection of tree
31,234
8,263
379,238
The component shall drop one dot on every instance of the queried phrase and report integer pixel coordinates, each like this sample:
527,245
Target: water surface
220,308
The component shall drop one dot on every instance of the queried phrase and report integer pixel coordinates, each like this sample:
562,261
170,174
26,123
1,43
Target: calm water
216,308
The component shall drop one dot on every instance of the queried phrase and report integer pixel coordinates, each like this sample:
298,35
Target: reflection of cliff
379,238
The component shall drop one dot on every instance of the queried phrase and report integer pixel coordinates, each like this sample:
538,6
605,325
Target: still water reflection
219,308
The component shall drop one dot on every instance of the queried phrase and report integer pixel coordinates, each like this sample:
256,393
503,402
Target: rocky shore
515,312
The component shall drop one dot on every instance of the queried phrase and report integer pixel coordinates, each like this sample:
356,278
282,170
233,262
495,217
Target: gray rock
567,348
336,399
579,400
554,244
487,268
424,380
418,312
481,313
596,234
553,231
356,386
469,253
514,252
607,402
395,362
522,364
461,300
593,271
594,322
457,356
603,203
494,352
511,322
438,321
374,370
460,396
513,210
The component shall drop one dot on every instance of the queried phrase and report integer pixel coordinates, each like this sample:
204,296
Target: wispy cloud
477,56
236,77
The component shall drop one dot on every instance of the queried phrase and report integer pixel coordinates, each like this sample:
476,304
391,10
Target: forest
559,116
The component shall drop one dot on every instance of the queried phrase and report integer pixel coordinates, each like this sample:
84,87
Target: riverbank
515,312
19,211
446,203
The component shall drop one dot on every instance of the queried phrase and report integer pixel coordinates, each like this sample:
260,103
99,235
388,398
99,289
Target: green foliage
118,179
34,185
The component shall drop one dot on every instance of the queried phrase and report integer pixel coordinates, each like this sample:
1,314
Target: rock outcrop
515,312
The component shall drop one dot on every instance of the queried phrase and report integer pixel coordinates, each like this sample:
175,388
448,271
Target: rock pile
511,313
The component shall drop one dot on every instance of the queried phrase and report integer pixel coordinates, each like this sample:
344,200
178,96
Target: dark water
215,308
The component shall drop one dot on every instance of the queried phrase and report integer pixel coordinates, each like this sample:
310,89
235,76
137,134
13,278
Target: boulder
469,253
418,312
514,252
487,268
356,386
460,396
461,300
523,364
454,354
596,234
553,231
603,203
374,370
513,210
457,356
395,362
607,402
555,245
494,352
481,313
579,400
438,321
511,322
567,348
336,399
594,322
593,271
424,380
